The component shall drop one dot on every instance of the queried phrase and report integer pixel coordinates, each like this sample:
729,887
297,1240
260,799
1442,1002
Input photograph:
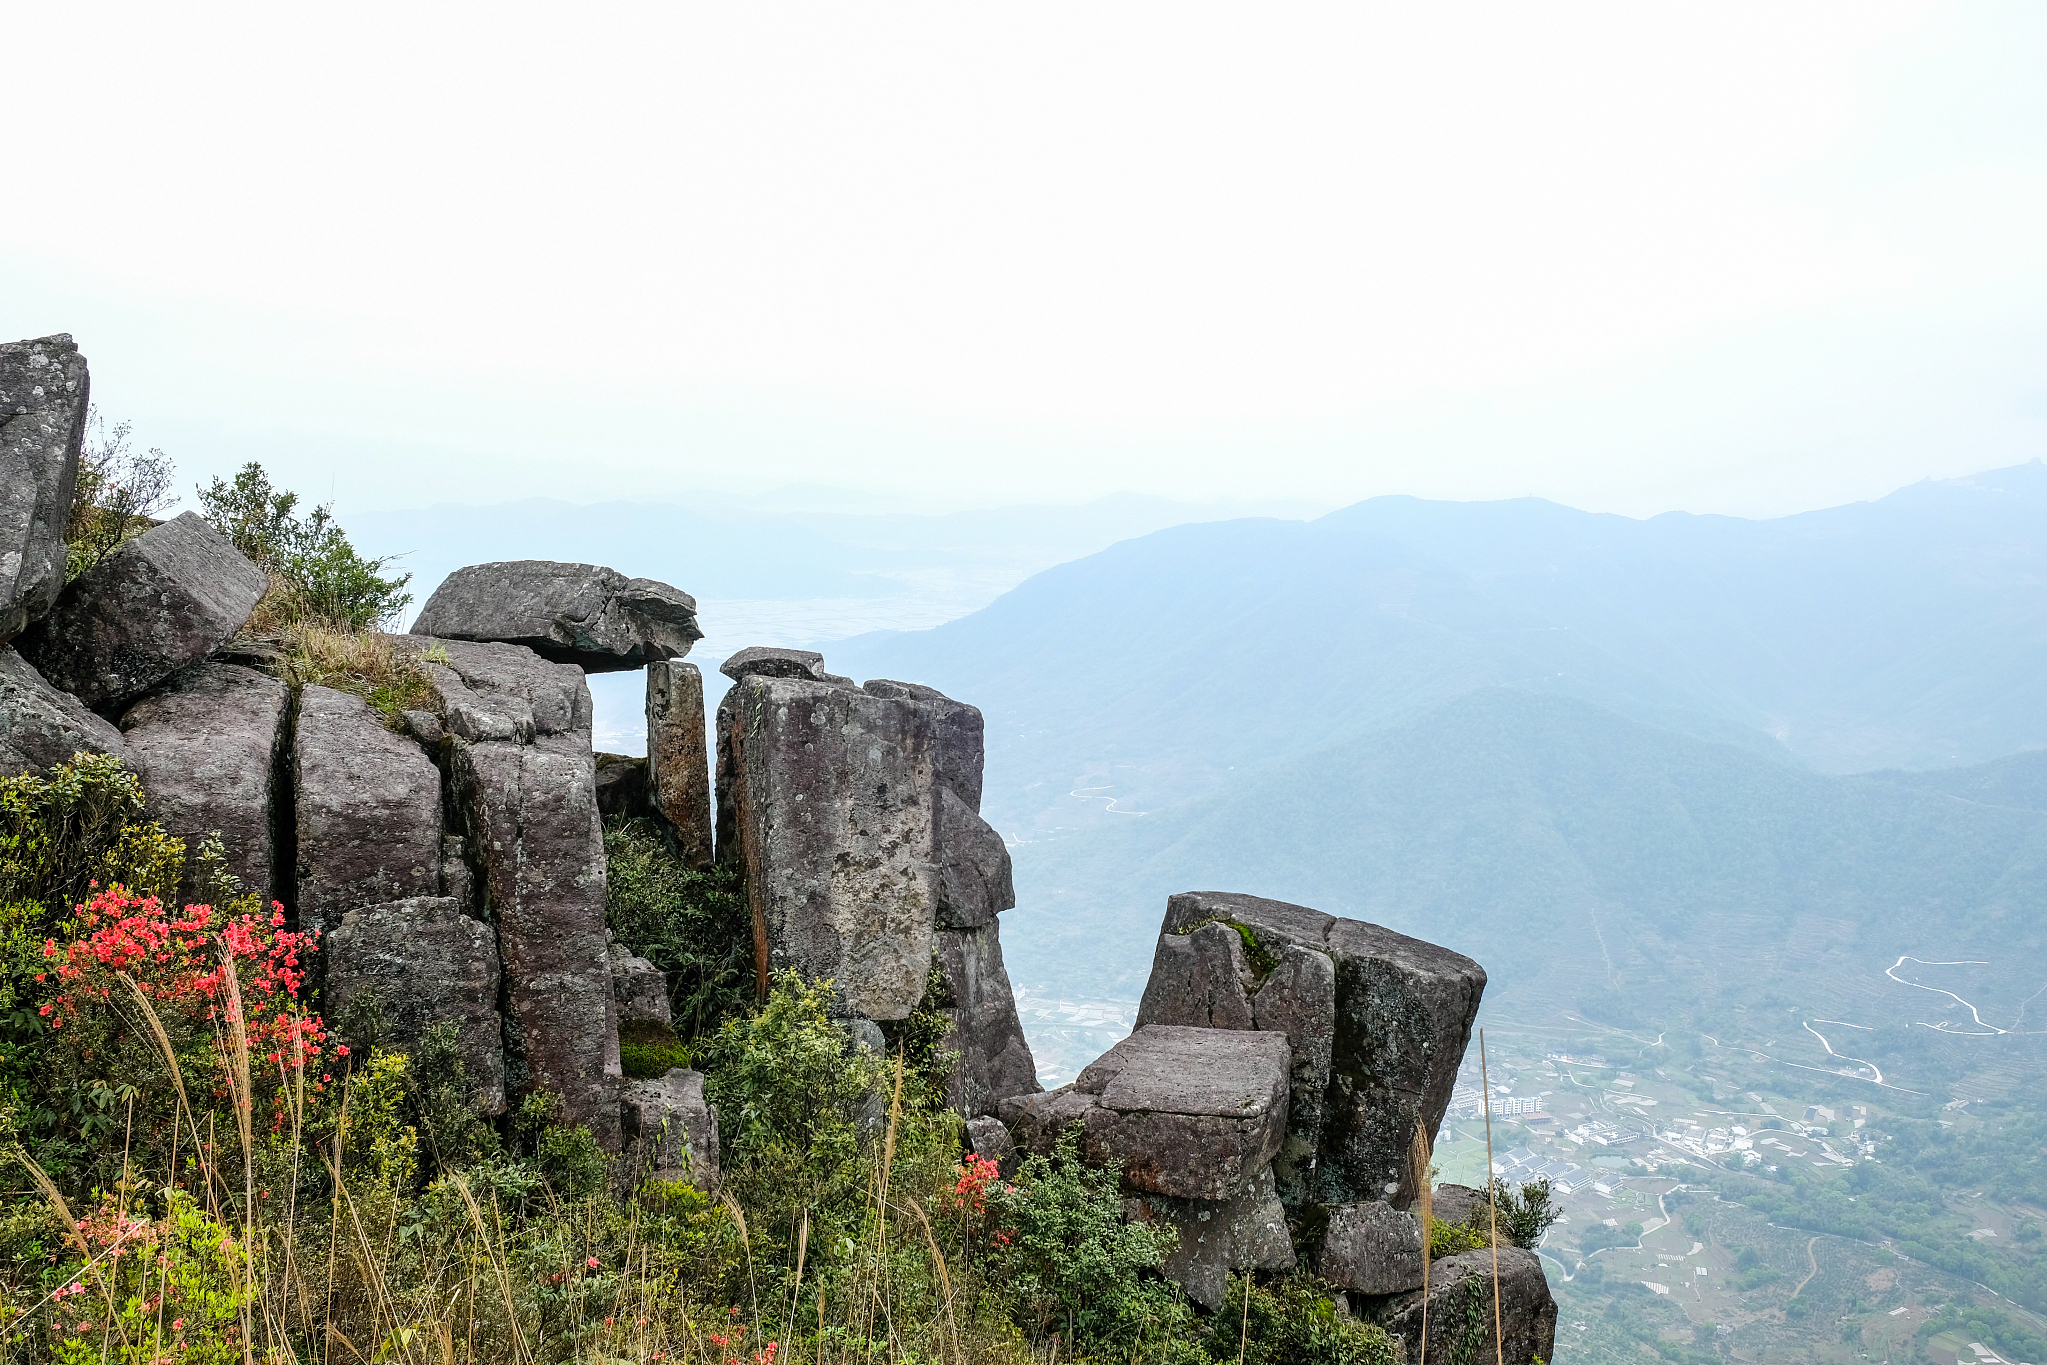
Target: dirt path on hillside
1812,1261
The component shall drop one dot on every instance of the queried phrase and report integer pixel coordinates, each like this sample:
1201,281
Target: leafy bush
117,494
318,576
1293,1323
695,926
1448,1239
1526,1212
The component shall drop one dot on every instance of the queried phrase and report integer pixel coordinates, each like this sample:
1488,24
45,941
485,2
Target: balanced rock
167,598
582,614
1377,1024
1194,1113
44,391
369,810
1246,1232
207,748
826,797
1460,1311
678,758
1371,1248
427,963
992,1058
773,661
40,726
677,1132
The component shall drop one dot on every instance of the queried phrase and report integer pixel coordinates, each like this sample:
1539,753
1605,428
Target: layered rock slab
41,726
207,747
44,396
1377,1023
368,814
1460,1311
678,758
674,1129
582,614
166,599
427,963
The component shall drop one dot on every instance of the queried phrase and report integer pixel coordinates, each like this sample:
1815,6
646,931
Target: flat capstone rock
582,614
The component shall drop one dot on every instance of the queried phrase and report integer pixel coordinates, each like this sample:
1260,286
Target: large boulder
674,1130
44,392
369,810
957,735
993,1058
582,614
1246,1232
427,963
774,661
40,726
678,758
524,782
1371,1248
207,748
166,599
826,796
1193,1113
1377,1024
975,882
1461,1311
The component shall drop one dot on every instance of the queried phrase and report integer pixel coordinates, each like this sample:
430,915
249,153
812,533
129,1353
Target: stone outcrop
1460,1311
826,796
678,758
368,813
1377,1023
44,391
428,963
166,599
639,991
959,747
1371,1248
1246,1232
773,661
975,882
582,614
993,1058
207,748
524,782
41,726
675,1131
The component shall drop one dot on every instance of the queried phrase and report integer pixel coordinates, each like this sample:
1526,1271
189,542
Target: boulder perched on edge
773,661
676,1131
207,747
166,599
44,389
678,758
40,726
369,810
1460,1311
582,614
428,963
1377,1023
1194,1113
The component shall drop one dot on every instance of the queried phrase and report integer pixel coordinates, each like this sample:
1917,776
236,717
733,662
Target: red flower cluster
173,961
977,1173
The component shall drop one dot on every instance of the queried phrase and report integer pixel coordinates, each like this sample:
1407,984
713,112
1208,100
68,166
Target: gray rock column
44,390
167,598
1460,1311
678,759
41,726
428,963
957,734
207,748
368,810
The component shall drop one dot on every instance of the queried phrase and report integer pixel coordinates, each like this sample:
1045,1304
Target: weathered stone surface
582,614
41,726
1460,1311
488,691
989,1139
678,758
1245,1232
975,882
773,661
207,748
428,963
677,1130
458,878
425,727
622,786
1377,1021
994,1057
1457,1204
44,390
1199,980
368,814
957,733
1372,1248
1190,1112
638,988
826,795
165,599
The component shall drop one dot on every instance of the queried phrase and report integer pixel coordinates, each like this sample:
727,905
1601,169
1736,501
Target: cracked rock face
428,963
369,810
1194,1113
1245,1232
993,1056
1460,1311
40,726
44,391
957,734
1377,1024
582,614
207,748
166,599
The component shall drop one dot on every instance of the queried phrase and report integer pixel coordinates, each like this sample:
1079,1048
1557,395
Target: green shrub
319,577
117,493
1525,1213
1448,1239
1293,1323
695,926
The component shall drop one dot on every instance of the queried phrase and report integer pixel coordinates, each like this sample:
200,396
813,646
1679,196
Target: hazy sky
1747,258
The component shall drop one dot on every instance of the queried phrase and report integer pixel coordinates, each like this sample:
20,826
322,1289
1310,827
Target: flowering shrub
970,1193
168,1290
